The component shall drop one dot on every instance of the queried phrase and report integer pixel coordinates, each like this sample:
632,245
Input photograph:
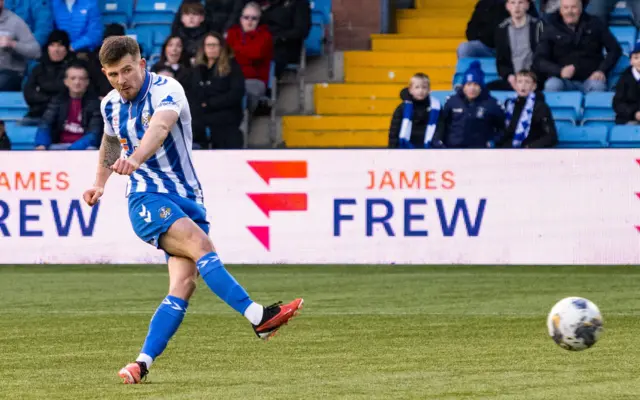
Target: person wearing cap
571,50
47,78
470,118
626,102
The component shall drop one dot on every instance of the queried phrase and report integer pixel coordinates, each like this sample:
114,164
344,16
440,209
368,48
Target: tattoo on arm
109,150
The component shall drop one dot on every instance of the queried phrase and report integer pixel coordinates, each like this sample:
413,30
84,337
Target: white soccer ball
575,323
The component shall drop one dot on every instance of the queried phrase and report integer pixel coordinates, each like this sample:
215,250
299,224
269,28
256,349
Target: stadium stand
625,136
582,136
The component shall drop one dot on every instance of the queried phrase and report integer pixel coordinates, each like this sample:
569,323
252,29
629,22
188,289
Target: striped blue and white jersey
170,170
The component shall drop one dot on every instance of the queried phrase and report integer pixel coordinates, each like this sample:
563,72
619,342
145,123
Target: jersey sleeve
107,117
168,95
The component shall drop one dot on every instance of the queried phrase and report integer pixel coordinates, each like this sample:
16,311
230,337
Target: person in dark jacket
529,123
414,121
626,102
73,120
5,143
252,45
571,50
220,15
516,39
216,95
470,118
481,28
174,57
191,29
47,78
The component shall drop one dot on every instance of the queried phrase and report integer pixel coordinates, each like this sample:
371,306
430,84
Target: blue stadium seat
614,75
155,12
563,124
12,106
621,15
151,37
488,66
442,95
314,42
22,137
625,136
598,109
116,11
626,36
502,95
582,137
565,106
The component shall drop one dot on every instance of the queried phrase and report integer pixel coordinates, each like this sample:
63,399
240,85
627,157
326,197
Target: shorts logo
145,214
165,212
270,202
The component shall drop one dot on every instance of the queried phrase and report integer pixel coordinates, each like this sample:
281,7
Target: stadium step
328,106
336,131
440,13
392,59
433,27
441,77
412,43
445,4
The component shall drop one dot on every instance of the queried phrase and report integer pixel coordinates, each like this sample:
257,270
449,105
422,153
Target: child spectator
414,121
36,14
516,39
174,58
626,102
216,95
529,122
73,120
470,118
219,14
5,143
165,70
191,28
253,48
17,45
47,78
481,28
81,20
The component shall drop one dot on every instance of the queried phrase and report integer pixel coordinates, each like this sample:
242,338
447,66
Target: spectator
173,57
253,48
626,102
17,44
529,123
471,118
481,28
81,20
191,28
571,50
47,78
219,14
99,82
602,9
516,40
216,95
37,14
72,120
165,70
289,22
5,143
414,121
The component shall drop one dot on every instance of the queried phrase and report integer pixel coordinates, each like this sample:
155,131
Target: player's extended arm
158,130
109,153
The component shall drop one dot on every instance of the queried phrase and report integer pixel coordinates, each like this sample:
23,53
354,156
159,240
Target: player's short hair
421,77
114,48
529,73
192,8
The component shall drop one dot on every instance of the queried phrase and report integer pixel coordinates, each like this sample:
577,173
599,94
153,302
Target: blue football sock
164,324
222,283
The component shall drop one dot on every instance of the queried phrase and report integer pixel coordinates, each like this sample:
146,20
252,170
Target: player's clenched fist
92,195
124,166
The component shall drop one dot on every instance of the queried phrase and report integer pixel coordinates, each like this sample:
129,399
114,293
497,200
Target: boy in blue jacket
470,118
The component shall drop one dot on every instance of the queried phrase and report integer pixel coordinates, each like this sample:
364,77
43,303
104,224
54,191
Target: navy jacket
465,124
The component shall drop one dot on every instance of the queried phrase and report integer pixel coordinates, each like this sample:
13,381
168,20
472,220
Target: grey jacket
26,45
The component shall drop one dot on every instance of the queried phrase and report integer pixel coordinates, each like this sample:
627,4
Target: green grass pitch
380,332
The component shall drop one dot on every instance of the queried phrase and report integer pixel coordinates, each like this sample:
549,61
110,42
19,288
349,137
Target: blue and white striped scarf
407,123
524,123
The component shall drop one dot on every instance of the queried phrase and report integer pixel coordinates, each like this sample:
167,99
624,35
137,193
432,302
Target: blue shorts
152,214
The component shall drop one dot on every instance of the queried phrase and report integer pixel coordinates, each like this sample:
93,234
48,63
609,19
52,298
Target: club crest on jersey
165,212
167,101
145,119
480,112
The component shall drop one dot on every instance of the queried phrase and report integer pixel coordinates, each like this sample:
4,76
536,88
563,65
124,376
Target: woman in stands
47,78
216,94
174,57
252,45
